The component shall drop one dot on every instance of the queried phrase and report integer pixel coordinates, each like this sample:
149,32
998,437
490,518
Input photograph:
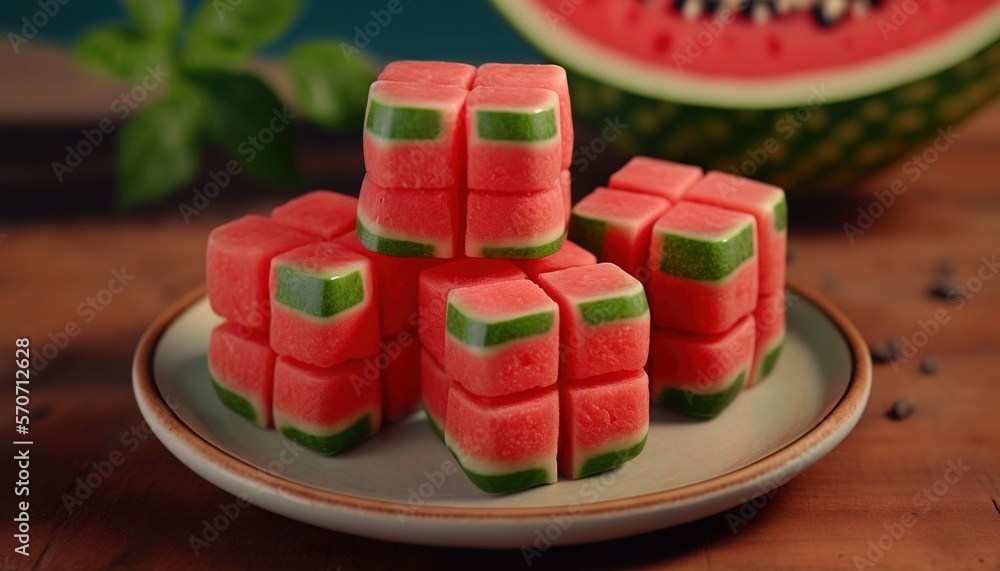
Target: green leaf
156,18
331,89
158,150
224,32
121,51
245,117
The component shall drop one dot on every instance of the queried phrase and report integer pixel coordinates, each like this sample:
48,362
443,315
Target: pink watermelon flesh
770,335
351,332
700,374
513,141
434,386
326,409
396,282
615,225
399,361
705,256
569,256
430,72
514,225
502,338
546,76
603,421
658,177
241,364
238,260
321,213
566,183
408,222
604,319
414,135
436,283
764,202
504,444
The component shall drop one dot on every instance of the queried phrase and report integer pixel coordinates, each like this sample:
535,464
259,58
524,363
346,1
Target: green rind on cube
781,214
434,425
235,402
506,483
402,123
588,233
316,296
614,308
699,259
527,127
332,443
479,334
698,404
392,246
768,362
609,460
523,252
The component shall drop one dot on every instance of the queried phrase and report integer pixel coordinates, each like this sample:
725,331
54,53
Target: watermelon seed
900,409
885,352
930,364
942,288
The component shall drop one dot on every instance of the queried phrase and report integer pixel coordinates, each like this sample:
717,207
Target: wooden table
143,512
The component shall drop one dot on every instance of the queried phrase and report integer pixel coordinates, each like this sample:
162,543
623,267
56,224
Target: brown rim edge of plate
850,402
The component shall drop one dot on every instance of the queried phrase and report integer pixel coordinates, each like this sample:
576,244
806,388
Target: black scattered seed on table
996,506
945,268
942,288
900,409
880,353
895,350
930,364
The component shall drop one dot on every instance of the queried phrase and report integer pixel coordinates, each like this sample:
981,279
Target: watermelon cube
513,141
604,319
767,204
658,177
552,77
514,225
396,282
566,184
399,360
321,213
615,225
241,365
409,222
705,257
430,72
770,319
323,306
238,259
569,256
504,444
434,386
502,338
700,373
603,421
326,410
414,135
435,285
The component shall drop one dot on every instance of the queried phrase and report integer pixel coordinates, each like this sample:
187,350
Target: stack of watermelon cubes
710,249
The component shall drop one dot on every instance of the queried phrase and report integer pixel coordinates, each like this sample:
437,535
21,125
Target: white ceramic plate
403,485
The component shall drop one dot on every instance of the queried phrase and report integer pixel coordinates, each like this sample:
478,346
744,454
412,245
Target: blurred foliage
206,96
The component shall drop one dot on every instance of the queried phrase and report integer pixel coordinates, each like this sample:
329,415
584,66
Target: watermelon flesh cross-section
658,177
513,141
434,386
430,73
699,373
767,204
321,213
603,421
615,225
436,283
409,222
504,444
241,366
399,361
569,256
414,135
502,338
323,306
770,322
238,259
326,410
566,184
546,76
604,319
705,256
514,225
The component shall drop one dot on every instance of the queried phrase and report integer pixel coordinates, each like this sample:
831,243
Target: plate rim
845,411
